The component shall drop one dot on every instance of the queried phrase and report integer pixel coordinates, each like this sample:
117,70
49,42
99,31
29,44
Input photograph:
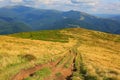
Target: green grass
89,77
43,72
68,63
46,35
58,74
40,75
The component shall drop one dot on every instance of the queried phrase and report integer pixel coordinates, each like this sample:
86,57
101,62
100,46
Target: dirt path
26,73
58,72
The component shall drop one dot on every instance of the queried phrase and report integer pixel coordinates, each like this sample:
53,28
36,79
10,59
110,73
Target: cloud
86,5
81,1
91,6
1,0
84,1
16,1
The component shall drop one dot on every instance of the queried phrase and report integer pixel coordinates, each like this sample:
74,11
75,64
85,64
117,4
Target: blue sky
89,6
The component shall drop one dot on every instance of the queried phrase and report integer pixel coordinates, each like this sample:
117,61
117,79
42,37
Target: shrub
27,57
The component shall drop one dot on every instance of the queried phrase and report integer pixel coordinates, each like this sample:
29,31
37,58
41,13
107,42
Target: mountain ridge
9,25
42,19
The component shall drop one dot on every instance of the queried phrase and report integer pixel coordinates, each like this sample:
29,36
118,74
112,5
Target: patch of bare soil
26,73
58,72
61,72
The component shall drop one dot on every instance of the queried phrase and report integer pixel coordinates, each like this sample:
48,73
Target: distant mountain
37,18
105,15
40,19
9,25
116,18
109,16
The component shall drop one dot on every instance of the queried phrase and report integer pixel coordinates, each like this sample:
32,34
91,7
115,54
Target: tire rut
65,73
28,72
73,69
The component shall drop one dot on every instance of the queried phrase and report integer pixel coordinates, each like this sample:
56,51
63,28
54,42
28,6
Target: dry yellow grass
100,53
101,56
11,48
100,61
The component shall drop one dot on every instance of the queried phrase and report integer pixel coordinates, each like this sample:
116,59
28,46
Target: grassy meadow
17,54
91,55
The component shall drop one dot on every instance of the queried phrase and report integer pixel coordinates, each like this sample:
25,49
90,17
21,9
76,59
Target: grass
40,75
68,63
27,57
17,54
100,53
52,35
81,72
58,74
109,78
64,59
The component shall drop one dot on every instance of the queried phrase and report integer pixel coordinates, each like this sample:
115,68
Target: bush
27,57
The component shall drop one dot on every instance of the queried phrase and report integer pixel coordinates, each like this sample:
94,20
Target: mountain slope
106,15
40,19
36,18
109,16
95,55
116,18
9,25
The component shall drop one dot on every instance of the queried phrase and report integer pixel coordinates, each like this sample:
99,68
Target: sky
89,6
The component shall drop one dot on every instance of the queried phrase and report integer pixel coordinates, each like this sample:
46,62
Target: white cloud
1,0
45,1
108,6
53,1
16,1
84,1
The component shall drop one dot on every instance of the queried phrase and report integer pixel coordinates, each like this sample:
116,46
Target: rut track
30,71
66,72
26,73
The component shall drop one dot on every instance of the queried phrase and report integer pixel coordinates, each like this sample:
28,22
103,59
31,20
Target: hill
117,18
9,25
109,16
106,15
75,53
41,19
